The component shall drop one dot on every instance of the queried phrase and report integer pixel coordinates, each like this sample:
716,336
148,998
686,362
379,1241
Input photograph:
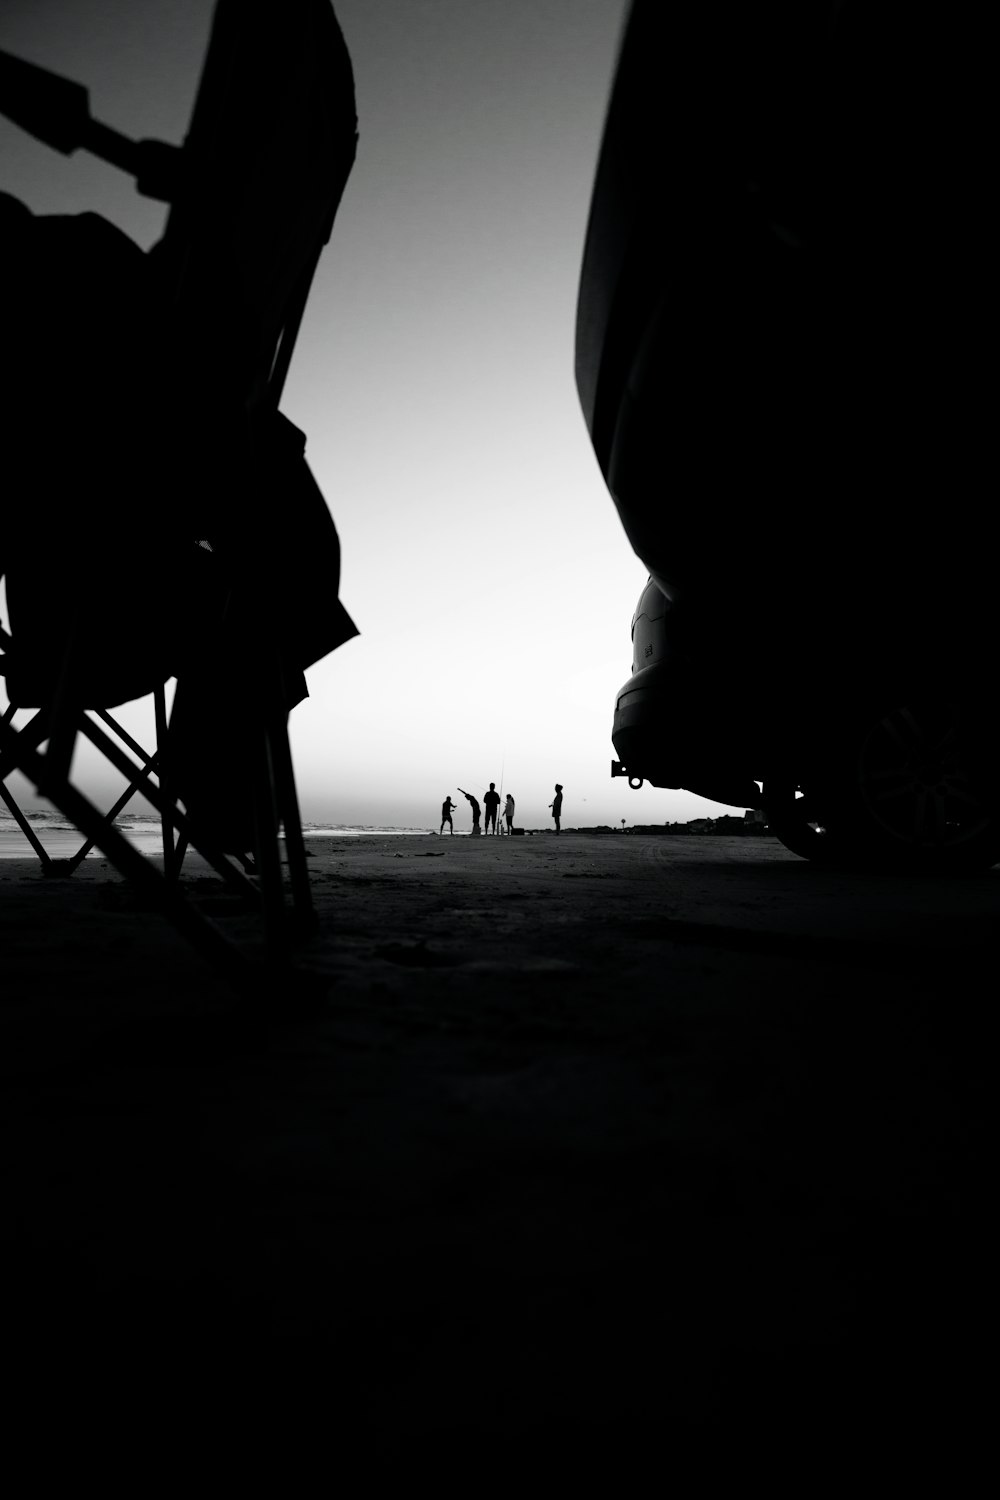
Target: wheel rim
917,780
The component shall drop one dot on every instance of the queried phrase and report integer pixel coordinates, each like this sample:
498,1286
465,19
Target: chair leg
171,863
35,733
167,895
288,810
267,852
112,813
223,866
25,826
275,805
31,736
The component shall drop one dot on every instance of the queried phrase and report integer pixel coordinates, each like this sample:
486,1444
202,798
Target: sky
482,557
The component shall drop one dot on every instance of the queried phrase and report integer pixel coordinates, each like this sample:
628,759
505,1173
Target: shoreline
62,844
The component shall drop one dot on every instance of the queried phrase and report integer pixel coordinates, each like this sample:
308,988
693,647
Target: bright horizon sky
482,558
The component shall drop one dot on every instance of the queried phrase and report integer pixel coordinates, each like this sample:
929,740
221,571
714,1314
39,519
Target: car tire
917,788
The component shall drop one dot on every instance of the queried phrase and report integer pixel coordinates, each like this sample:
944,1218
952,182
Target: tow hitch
617,769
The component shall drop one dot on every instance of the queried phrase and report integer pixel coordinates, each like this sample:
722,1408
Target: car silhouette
784,325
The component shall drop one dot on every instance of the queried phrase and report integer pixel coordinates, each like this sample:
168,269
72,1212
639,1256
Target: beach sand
603,1148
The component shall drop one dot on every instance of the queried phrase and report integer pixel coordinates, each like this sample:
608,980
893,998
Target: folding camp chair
148,764
177,442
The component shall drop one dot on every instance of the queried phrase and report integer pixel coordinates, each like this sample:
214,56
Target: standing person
508,812
447,808
492,801
556,805
475,811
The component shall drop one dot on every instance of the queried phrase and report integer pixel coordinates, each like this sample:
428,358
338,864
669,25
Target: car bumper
674,731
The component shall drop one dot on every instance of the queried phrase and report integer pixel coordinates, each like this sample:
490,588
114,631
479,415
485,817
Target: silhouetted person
447,808
492,801
508,812
475,810
556,805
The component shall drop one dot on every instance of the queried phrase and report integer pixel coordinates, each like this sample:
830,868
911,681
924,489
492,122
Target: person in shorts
447,808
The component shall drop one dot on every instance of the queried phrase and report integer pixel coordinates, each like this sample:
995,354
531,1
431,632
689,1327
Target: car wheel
917,788
927,787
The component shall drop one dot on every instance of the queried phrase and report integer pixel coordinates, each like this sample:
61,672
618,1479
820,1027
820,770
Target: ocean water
60,839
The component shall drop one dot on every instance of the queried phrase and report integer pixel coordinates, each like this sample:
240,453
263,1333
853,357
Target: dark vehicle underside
785,314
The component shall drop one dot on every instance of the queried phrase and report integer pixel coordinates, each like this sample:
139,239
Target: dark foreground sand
599,1150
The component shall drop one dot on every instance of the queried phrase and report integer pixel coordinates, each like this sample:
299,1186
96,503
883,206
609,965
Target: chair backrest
270,147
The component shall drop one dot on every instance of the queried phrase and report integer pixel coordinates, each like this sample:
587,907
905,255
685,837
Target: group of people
491,800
